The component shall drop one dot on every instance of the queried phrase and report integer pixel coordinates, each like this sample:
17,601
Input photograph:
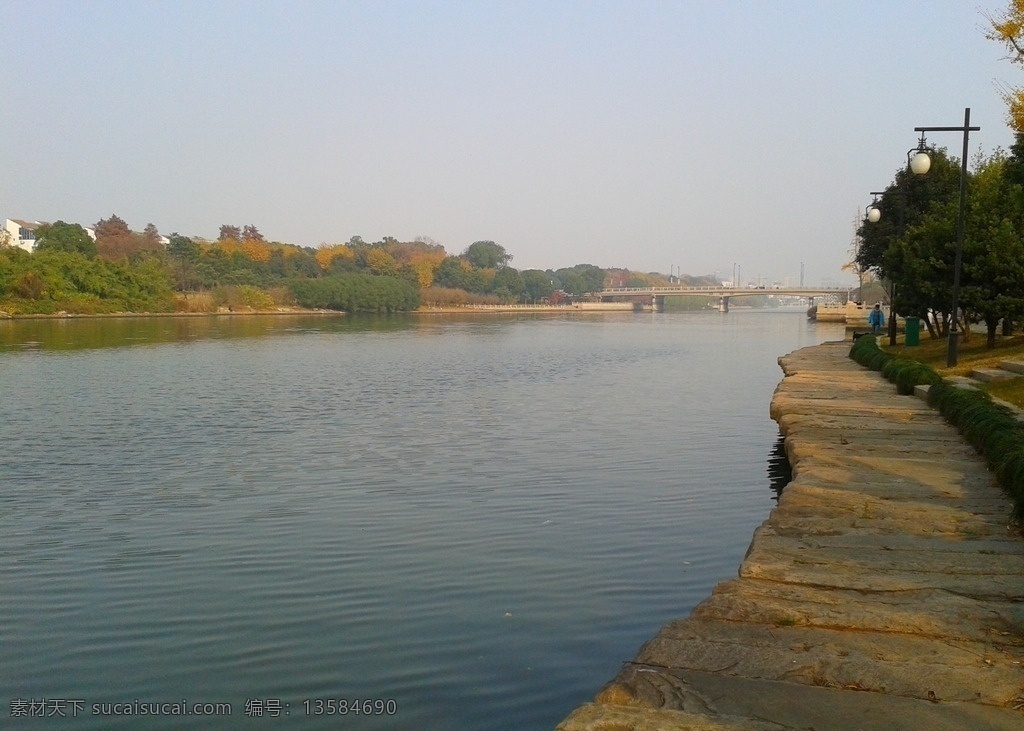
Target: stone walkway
886,590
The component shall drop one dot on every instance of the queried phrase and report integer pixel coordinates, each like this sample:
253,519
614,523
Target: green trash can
913,331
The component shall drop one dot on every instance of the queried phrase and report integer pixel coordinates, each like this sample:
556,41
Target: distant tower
855,255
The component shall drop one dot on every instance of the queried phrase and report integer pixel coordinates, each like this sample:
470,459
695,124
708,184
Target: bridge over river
654,297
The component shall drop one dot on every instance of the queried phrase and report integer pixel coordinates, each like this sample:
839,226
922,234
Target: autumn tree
323,256
254,245
114,240
379,261
335,257
423,263
151,238
1008,30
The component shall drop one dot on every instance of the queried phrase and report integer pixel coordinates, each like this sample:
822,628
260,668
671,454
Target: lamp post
912,160
920,163
874,215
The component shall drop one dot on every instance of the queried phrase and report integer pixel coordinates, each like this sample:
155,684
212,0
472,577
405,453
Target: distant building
22,233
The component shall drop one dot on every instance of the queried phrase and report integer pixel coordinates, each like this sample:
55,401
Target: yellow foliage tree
256,249
229,246
424,263
381,262
326,253
1008,29
323,256
424,272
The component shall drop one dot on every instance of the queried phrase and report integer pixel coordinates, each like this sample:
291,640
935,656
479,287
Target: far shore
247,312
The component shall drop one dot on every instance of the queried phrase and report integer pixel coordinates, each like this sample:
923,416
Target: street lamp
873,213
874,216
920,163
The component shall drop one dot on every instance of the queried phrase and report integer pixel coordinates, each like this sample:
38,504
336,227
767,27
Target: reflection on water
780,472
75,333
477,517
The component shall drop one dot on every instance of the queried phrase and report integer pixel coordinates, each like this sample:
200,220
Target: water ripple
477,518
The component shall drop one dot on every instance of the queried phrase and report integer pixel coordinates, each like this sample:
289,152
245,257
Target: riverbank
242,311
885,591
224,312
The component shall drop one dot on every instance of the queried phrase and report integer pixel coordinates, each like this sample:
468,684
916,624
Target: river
442,522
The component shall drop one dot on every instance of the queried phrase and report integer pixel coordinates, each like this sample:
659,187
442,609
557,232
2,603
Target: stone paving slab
882,663
1014,366
929,613
886,590
993,375
743,704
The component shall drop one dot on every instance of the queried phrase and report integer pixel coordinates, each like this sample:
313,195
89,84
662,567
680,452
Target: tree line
118,269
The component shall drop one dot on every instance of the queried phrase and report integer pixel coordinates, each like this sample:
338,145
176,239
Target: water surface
478,518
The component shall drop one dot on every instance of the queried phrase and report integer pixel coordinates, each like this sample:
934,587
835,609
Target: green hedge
356,293
991,428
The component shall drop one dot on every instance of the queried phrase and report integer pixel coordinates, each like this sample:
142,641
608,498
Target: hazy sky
689,135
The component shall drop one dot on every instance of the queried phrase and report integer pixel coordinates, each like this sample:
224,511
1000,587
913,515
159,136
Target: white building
21,233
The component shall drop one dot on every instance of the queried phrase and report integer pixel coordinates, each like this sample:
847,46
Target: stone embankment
886,590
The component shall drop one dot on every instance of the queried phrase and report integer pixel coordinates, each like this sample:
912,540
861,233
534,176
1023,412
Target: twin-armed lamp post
920,163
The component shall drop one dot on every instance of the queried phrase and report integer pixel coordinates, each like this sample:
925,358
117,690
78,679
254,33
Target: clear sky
689,136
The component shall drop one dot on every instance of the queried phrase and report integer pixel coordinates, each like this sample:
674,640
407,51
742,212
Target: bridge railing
710,289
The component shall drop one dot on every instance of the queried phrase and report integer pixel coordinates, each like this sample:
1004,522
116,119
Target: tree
356,293
183,248
301,263
256,249
993,270
921,261
904,204
151,238
61,236
251,233
114,240
230,233
581,279
379,261
452,272
921,264
184,254
1008,30
487,255
508,284
537,285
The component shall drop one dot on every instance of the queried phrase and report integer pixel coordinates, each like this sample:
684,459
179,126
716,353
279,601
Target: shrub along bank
992,428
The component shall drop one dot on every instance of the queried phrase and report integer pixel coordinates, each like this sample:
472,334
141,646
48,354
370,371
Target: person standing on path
876,319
